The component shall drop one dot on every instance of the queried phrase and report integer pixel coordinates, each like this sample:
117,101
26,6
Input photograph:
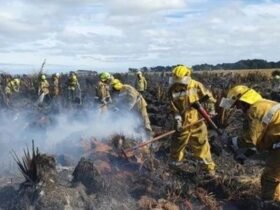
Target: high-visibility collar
267,118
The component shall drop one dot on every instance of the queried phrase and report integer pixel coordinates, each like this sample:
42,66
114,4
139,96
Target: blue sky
114,35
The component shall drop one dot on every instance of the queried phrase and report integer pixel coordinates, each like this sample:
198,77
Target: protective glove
212,114
242,154
178,123
231,143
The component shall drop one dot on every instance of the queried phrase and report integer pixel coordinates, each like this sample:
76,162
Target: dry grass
247,186
207,199
147,203
241,72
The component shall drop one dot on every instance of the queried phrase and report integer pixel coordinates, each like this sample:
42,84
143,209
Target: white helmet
17,81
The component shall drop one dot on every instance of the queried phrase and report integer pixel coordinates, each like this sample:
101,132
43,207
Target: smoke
61,133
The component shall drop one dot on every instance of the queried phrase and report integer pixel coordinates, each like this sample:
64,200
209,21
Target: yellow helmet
116,84
244,93
73,77
17,81
240,93
181,71
105,76
181,75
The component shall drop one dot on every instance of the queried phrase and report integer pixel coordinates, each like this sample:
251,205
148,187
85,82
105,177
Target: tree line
242,64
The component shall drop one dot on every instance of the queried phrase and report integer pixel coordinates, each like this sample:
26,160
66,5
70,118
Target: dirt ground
104,179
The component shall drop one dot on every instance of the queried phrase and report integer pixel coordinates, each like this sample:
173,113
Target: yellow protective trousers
197,138
145,118
270,180
56,87
141,109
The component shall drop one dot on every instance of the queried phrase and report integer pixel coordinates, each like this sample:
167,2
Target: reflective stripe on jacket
260,130
182,96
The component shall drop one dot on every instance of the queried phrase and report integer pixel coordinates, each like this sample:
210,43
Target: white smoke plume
61,133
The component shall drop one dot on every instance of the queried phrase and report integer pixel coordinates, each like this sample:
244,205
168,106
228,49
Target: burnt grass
103,179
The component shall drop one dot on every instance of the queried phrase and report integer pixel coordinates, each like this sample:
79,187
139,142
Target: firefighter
184,91
131,100
56,85
56,92
11,87
141,82
261,132
103,90
43,89
73,86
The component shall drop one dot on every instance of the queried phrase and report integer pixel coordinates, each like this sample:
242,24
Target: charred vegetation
101,178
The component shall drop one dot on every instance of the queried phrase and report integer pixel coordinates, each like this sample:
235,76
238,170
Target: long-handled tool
206,116
124,152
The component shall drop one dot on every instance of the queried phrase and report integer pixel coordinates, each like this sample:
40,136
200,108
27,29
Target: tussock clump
36,167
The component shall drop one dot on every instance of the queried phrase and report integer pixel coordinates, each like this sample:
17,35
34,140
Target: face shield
227,103
185,80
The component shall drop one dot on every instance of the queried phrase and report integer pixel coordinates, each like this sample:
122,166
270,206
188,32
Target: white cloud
143,6
117,34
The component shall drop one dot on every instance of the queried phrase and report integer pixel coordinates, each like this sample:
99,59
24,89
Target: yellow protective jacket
182,96
132,98
141,83
256,132
102,91
44,87
73,82
56,88
11,87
